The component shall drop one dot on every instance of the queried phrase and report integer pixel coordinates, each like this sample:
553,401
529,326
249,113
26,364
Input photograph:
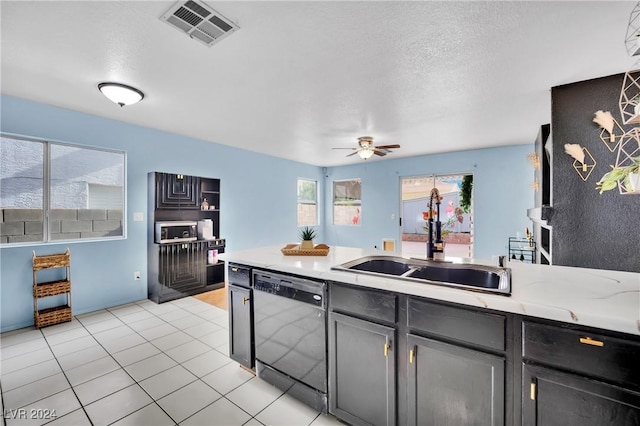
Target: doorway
457,221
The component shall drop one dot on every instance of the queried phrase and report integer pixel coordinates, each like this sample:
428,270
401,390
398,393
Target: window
307,202
347,202
56,192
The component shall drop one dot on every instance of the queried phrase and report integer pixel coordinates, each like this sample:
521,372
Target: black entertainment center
183,238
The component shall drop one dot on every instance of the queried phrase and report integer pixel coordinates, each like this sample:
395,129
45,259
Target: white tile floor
138,364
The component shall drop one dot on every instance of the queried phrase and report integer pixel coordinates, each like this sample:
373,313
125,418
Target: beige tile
168,381
30,374
150,366
102,386
75,418
118,405
47,409
34,391
188,400
220,413
91,370
254,395
206,363
151,415
136,353
228,377
287,411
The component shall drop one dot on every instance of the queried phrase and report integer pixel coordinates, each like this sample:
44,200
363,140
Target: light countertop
589,297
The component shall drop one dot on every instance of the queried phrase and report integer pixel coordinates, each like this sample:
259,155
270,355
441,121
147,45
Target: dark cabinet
452,370
182,266
241,337
240,326
579,376
449,384
177,191
362,372
457,365
551,397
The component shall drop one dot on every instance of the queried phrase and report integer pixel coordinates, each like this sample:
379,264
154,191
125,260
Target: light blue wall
501,194
258,201
256,207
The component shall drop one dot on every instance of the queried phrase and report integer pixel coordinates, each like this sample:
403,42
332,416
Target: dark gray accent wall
590,229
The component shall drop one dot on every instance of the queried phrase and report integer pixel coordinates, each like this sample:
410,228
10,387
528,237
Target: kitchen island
590,297
563,347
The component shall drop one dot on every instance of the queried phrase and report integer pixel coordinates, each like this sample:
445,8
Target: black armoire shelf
183,268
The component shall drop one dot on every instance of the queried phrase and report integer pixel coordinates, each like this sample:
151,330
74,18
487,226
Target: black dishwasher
290,335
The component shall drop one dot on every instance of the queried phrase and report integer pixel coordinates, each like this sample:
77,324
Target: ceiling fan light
365,153
121,94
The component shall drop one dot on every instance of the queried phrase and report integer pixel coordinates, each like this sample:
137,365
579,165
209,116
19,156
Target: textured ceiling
299,78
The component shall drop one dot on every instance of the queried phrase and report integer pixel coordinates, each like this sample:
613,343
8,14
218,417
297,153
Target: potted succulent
628,176
307,234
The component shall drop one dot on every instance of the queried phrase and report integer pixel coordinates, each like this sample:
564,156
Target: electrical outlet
136,275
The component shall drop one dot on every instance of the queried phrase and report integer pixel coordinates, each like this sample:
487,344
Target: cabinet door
182,266
550,397
452,385
177,192
241,325
362,371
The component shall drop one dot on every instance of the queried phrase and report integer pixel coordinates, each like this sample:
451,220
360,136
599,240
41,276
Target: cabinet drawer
366,303
583,351
239,275
479,328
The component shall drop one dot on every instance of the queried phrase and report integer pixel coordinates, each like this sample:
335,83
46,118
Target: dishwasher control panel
302,290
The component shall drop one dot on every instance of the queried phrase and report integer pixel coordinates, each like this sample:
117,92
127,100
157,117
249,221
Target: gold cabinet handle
245,300
592,342
411,356
386,349
234,269
532,391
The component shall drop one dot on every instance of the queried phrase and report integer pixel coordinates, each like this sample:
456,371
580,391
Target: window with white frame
307,202
56,192
347,205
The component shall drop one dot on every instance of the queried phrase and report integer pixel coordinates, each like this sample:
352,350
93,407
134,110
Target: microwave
176,231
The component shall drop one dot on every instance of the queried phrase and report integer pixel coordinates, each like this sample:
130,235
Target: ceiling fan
367,149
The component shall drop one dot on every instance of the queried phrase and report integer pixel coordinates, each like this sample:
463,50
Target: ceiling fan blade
353,153
387,146
345,148
379,153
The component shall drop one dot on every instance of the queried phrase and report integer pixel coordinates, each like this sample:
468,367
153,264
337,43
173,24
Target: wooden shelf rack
56,314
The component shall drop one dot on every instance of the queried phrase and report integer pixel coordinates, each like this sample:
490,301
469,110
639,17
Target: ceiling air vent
199,21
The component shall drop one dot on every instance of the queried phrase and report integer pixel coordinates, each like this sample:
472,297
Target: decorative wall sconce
609,128
583,162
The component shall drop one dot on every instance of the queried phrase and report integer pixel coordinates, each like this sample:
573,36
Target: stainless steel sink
462,275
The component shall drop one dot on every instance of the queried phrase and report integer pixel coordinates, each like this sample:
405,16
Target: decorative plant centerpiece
627,176
307,234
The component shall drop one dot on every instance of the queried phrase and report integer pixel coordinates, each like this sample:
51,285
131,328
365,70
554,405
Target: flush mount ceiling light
121,94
